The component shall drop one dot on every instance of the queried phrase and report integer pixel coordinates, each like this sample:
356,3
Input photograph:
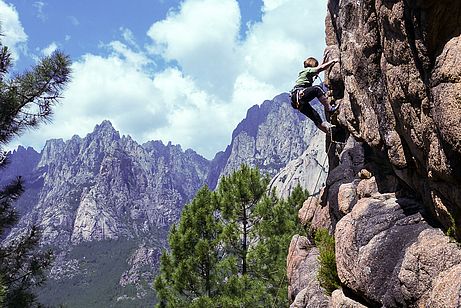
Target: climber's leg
306,109
317,91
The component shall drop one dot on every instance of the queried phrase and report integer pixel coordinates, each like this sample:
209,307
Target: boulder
302,266
314,215
339,300
389,255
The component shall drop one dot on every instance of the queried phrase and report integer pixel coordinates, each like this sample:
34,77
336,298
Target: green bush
328,275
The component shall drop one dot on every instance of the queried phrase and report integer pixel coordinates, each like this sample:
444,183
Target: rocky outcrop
399,81
339,300
302,268
141,263
315,215
388,253
308,171
399,85
394,188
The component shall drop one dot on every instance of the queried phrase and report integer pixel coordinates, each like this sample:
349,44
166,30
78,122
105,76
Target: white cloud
270,5
39,5
47,51
104,88
276,47
10,26
214,75
137,59
202,37
128,36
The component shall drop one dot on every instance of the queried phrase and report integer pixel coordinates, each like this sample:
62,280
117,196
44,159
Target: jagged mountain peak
160,146
258,113
23,150
106,130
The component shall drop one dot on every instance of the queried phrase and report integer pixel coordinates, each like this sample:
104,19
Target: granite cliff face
271,135
105,187
393,191
399,81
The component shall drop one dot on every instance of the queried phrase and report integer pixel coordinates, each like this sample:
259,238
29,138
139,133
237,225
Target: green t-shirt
306,77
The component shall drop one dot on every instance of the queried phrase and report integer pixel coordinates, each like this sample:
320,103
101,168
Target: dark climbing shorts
305,107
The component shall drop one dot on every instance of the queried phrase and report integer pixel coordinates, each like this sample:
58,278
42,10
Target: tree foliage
190,270
229,247
26,100
328,274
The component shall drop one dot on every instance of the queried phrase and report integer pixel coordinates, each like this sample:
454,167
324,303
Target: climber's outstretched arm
326,65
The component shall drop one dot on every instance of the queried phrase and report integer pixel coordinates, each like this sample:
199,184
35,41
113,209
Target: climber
303,92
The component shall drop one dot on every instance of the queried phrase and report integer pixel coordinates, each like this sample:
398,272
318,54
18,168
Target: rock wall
399,82
393,192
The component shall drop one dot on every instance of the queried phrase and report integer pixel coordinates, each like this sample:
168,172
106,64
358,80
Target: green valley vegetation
229,248
26,100
95,280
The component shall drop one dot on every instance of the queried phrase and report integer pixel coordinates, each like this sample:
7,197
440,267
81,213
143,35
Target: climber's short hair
311,62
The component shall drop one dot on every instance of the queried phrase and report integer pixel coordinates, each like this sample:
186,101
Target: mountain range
105,203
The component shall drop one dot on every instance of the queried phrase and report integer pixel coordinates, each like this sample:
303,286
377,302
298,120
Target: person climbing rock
304,91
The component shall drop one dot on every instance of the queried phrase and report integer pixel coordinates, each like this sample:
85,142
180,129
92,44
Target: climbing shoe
328,125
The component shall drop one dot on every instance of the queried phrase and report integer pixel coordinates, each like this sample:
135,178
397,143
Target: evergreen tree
189,273
258,229
26,100
278,223
238,196
240,234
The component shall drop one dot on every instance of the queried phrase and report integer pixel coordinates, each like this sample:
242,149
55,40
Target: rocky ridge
393,189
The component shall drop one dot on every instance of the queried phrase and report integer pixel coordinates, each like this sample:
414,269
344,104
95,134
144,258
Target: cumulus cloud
105,88
202,37
47,51
212,74
133,57
10,26
276,47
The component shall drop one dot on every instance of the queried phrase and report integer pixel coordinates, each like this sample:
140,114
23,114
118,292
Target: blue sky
180,71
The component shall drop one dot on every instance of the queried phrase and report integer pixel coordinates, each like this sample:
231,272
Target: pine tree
230,246
189,273
26,100
278,223
258,229
239,194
